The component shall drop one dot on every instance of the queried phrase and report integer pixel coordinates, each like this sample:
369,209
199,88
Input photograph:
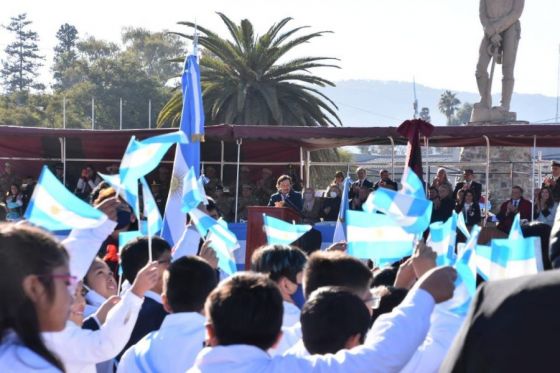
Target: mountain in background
365,103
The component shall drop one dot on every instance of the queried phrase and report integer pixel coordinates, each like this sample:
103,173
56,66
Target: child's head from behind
245,309
187,283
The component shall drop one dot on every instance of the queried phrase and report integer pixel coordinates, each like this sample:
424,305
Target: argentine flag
55,208
141,157
151,211
340,228
462,226
279,232
409,207
192,194
377,237
192,125
465,285
442,240
130,194
223,241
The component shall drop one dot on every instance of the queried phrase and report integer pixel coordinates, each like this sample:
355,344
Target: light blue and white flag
515,230
507,258
192,194
409,207
128,192
55,208
151,211
340,228
465,285
223,241
442,240
125,237
142,157
279,232
377,237
462,226
201,183
192,125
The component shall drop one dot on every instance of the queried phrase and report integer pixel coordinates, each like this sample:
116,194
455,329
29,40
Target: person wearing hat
8,178
468,184
552,182
246,199
224,202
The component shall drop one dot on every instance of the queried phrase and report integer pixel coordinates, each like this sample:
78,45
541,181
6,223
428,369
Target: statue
502,31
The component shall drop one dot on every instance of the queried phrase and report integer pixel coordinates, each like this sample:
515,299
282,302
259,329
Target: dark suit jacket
475,187
512,326
506,220
149,319
390,184
472,216
294,200
555,191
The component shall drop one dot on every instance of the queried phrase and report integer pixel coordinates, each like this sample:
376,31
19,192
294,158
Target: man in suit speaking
286,197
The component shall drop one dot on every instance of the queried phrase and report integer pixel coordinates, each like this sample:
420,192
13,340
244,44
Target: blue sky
434,40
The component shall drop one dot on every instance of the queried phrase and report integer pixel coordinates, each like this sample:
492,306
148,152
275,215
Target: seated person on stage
385,181
469,183
333,319
286,197
173,348
283,265
245,316
134,256
545,207
311,209
510,208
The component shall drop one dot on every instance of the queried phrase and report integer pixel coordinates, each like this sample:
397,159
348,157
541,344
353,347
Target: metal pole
222,162
150,113
392,156
120,113
301,163
427,147
307,169
92,113
533,176
64,112
487,181
540,168
239,141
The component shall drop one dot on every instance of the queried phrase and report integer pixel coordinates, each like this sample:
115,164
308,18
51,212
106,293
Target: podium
256,235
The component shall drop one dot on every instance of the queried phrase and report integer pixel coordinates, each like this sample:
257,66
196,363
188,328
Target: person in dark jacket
286,197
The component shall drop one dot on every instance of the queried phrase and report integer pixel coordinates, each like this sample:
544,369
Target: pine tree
65,56
19,70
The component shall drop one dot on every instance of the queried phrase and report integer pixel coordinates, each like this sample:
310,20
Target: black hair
385,276
134,255
330,316
518,188
187,283
390,300
246,309
26,251
335,269
279,261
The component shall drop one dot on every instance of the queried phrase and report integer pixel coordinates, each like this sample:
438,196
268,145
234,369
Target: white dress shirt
80,349
172,348
291,314
392,341
17,358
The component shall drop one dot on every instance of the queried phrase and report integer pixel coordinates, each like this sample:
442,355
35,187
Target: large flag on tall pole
186,155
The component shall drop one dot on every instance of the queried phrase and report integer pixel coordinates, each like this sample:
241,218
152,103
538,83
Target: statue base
481,113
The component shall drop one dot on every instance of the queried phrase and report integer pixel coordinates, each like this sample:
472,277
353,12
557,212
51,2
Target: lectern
256,236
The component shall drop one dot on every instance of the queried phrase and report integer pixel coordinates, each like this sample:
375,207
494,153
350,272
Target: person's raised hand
423,259
337,246
146,279
109,207
209,254
439,282
405,275
107,306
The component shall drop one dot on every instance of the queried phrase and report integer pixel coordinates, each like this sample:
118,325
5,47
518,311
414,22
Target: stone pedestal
503,160
495,115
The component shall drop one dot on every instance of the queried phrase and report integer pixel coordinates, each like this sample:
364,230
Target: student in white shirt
81,349
245,315
100,284
173,348
36,288
284,265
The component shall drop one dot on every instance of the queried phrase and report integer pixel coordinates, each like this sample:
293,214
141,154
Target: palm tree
448,104
243,81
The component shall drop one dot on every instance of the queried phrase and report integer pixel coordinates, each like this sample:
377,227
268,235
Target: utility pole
415,103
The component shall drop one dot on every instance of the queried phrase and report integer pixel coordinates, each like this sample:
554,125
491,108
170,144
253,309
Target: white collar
94,298
183,320
154,296
230,354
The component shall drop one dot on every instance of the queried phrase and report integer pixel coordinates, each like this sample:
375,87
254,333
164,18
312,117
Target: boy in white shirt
173,348
245,315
